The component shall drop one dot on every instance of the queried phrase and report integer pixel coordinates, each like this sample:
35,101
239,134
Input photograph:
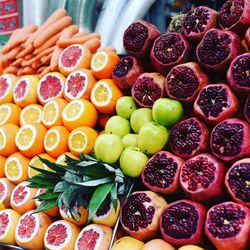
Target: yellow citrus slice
61,158
9,113
31,114
7,84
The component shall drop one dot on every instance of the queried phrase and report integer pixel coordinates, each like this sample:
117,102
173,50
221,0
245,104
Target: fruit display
144,151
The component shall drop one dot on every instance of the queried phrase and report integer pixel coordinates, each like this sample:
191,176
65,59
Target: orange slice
61,158
104,96
52,112
7,84
74,57
79,113
79,84
6,188
29,139
25,91
82,140
2,163
56,141
103,63
31,114
16,168
7,139
9,113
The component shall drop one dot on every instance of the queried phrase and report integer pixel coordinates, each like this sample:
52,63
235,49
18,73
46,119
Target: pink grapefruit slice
7,84
6,188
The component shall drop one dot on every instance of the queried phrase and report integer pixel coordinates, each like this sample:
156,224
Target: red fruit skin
235,51
247,38
164,68
211,23
230,111
215,189
175,186
245,109
202,77
229,190
240,241
230,75
198,237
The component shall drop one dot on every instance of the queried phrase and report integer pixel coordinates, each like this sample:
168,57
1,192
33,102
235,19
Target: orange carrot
17,62
13,53
27,50
40,69
93,44
35,64
46,59
11,70
44,72
79,34
52,30
27,71
28,57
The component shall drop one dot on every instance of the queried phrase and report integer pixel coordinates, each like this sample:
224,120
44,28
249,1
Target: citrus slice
74,57
31,229
79,113
61,235
52,112
2,163
7,84
9,113
31,114
8,223
35,162
16,168
6,188
25,91
7,139
50,87
103,63
82,140
21,199
61,158
104,96
56,141
29,139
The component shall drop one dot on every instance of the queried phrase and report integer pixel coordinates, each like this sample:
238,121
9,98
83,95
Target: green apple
125,106
130,140
108,148
152,138
167,112
132,161
139,118
117,125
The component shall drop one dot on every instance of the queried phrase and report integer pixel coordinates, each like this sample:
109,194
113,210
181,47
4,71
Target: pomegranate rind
8,188
247,109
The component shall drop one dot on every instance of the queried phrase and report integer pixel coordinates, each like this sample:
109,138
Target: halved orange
52,112
82,140
9,113
103,63
104,96
79,113
2,163
31,114
7,84
56,141
29,139
6,188
61,158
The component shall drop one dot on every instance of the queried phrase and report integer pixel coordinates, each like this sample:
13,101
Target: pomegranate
198,21
247,38
185,81
238,74
161,173
237,181
169,50
202,178
227,226
189,138
138,38
247,109
148,88
230,139
126,72
215,103
217,49
182,223
140,214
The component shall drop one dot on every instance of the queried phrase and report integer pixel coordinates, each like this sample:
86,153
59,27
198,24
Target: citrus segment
61,158
104,96
9,113
31,114
7,139
29,139
74,57
52,112
82,140
25,91
7,84
2,163
50,87
79,113
6,188
56,141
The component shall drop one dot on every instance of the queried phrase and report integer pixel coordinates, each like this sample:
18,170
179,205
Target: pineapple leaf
61,187
60,169
44,171
48,195
42,181
72,178
97,171
69,160
45,205
95,182
113,196
86,163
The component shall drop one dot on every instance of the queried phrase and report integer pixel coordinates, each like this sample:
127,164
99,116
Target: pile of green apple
135,133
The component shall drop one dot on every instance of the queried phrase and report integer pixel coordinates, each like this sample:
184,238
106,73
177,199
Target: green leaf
95,171
52,165
72,178
97,198
96,182
69,160
41,180
61,186
87,158
113,196
44,206
86,163
46,172
69,195
48,195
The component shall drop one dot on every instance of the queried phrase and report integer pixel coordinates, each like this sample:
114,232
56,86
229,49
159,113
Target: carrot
40,69
35,64
28,57
54,58
44,72
46,59
93,44
27,71
27,50
11,70
17,62
52,30
79,34
13,53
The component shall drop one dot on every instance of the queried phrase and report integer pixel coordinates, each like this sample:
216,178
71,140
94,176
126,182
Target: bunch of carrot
36,50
